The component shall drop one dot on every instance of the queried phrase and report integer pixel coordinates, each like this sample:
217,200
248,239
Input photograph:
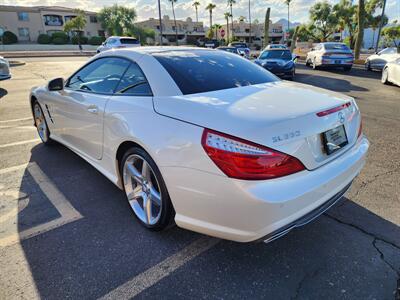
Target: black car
281,62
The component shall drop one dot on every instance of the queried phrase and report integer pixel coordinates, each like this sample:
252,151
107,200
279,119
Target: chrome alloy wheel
40,123
142,189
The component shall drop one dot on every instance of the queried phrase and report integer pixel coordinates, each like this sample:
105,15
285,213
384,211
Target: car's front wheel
314,64
41,124
145,189
368,65
385,76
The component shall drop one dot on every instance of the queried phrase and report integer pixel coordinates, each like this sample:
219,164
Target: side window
134,83
100,76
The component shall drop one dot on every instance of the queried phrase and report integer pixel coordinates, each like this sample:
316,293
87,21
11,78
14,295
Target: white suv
118,42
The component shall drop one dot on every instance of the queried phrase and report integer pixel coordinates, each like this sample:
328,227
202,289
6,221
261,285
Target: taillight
242,159
333,110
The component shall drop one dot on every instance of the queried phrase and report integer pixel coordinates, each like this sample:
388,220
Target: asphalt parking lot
67,232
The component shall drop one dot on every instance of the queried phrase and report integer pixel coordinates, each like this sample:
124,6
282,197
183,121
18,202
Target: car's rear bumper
245,211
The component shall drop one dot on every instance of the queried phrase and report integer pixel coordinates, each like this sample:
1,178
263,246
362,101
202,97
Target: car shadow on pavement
3,92
335,84
350,253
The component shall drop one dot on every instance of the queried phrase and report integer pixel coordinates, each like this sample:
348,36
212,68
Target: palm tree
227,16
217,27
173,12
230,4
196,4
288,23
210,8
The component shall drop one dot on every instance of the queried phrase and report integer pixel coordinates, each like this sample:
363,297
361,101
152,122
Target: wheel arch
32,100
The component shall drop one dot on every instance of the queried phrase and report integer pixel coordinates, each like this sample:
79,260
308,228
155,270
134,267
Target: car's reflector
242,159
333,110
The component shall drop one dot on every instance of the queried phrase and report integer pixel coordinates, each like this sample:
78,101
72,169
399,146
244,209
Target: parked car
244,50
380,59
4,69
330,55
229,49
275,46
211,43
391,72
206,138
281,62
118,42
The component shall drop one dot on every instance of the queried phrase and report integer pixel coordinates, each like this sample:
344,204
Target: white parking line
64,207
19,143
153,275
14,168
18,127
16,120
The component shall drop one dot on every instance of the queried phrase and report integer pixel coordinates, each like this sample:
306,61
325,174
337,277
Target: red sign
222,32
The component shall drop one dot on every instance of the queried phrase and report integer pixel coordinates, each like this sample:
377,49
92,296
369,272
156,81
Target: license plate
334,139
338,62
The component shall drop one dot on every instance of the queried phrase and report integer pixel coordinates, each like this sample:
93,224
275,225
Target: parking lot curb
22,54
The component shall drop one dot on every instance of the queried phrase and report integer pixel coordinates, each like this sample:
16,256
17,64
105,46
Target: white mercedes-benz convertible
206,138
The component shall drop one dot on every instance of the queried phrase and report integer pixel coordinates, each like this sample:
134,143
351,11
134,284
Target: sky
183,8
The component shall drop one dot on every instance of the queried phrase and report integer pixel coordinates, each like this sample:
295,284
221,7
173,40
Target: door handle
93,109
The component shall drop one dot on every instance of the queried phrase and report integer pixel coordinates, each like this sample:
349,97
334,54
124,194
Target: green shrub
9,38
84,40
96,40
58,41
60,37
43,39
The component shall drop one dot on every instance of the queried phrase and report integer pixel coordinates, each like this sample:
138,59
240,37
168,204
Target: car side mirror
103,43
56,84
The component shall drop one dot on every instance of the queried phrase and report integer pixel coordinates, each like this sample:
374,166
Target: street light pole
380,26
159,17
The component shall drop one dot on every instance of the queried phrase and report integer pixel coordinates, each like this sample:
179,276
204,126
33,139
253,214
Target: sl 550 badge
286,136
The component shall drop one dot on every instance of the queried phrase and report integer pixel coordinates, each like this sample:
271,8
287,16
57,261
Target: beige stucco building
241,30
188,30
28,22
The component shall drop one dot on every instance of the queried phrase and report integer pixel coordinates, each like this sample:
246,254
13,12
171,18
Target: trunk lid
280,115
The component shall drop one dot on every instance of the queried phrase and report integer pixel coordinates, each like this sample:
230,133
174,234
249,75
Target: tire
347,68
41,123
314,65
385,76
145,190
368,66
307,62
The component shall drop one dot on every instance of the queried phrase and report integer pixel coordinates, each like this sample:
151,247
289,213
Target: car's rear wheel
307,62
347,68
385,76
41,124
145,189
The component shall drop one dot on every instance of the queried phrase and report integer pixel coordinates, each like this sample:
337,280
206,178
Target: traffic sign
222,32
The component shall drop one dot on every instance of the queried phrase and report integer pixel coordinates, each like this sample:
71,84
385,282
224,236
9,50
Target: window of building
53,20
23,32
93,19
23,16
158,27
69,18
173,28
247,30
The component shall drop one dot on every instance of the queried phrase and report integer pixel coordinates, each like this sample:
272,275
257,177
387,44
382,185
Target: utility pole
380,26
159,17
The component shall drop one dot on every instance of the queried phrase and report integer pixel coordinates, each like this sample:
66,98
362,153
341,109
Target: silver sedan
4,69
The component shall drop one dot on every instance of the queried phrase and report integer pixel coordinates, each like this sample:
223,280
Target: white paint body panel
169,127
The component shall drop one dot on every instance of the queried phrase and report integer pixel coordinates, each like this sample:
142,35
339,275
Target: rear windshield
239,45
199,71
129,41
276,54
336,47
